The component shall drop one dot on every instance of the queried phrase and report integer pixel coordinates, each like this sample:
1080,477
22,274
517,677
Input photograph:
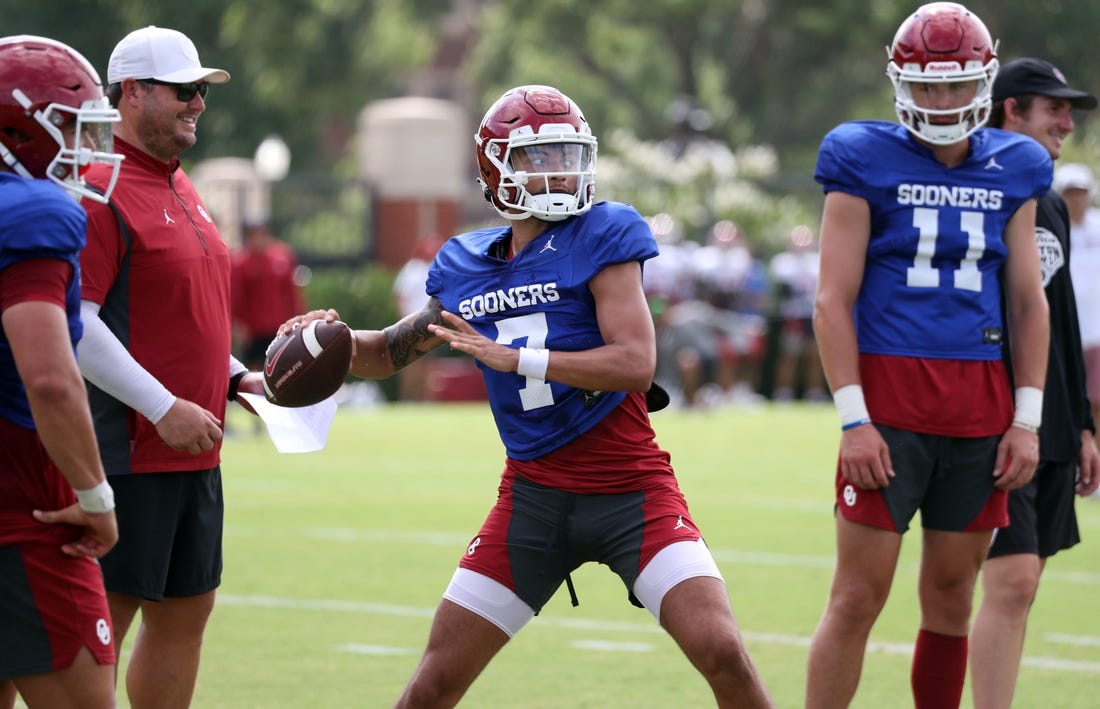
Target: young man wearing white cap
156,354
1077,185
1032,97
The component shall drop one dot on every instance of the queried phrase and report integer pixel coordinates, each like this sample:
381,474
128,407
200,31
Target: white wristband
533,363
850,406
98,499
1029,408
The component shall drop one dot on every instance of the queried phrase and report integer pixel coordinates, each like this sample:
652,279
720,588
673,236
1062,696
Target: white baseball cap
162,54
1073,175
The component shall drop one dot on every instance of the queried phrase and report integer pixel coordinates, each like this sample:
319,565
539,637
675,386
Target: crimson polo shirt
164,292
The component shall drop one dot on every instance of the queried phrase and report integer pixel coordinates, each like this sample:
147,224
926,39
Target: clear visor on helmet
552,159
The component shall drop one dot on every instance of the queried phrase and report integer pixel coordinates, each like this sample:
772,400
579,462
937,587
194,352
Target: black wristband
234,382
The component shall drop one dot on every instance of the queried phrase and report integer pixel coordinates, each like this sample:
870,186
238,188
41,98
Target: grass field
336,560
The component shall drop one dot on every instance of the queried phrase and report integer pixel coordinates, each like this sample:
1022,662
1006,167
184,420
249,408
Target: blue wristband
854,424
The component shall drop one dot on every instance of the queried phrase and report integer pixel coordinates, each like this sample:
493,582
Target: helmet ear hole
16,135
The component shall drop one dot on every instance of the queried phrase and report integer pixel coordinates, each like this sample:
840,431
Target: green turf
334,562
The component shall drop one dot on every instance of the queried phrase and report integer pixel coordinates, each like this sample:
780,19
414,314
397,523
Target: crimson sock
939,670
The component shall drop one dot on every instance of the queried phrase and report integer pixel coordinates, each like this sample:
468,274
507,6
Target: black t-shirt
1065,399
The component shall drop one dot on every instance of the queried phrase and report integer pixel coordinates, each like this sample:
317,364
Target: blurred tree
744,73
309,66
772,72
302,69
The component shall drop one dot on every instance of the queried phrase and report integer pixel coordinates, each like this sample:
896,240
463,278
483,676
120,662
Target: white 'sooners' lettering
499,301
954,196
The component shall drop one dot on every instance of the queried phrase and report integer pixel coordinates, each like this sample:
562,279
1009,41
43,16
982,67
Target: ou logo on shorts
850,495
473,547
103,631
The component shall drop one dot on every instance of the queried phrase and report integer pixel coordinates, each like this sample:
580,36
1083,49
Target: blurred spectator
410,296
688,355
723,265
409,284
668,281
735,282
1078,188
667,277
794,272
267,289
707,306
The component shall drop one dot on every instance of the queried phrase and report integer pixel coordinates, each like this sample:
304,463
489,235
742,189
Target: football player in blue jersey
1031,96
56,506
926,223
552,308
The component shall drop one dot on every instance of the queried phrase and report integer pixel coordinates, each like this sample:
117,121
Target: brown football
307,364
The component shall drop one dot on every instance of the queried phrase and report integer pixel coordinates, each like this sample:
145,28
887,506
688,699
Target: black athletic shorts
535,536
1042,519
169,535
949,480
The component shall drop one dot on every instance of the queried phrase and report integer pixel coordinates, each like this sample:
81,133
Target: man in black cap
1032,97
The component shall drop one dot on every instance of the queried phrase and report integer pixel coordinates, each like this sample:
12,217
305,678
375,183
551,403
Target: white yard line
730,556
1080,640
1050,663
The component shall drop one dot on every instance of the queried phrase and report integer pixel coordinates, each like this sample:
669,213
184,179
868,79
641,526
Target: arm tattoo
409,340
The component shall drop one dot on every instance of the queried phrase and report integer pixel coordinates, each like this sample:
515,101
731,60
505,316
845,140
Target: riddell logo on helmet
942,66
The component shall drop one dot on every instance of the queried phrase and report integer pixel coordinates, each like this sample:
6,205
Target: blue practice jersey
930,286
540,298
38,219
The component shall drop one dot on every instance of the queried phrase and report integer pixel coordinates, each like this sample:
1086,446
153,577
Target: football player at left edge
57,512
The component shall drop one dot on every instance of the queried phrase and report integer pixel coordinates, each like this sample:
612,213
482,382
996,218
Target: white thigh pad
490,599
675,563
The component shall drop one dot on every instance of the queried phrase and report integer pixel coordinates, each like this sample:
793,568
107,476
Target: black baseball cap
1020,77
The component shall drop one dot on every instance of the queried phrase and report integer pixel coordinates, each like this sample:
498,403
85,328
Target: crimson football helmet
942,42
536,155
54,119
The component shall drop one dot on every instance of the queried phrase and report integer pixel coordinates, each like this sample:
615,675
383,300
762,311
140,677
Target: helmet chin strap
947,133
553,207
940,133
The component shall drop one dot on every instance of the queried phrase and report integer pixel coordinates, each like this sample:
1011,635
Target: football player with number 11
551,306
922,223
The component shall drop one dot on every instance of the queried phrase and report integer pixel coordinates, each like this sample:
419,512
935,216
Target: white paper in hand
299,430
